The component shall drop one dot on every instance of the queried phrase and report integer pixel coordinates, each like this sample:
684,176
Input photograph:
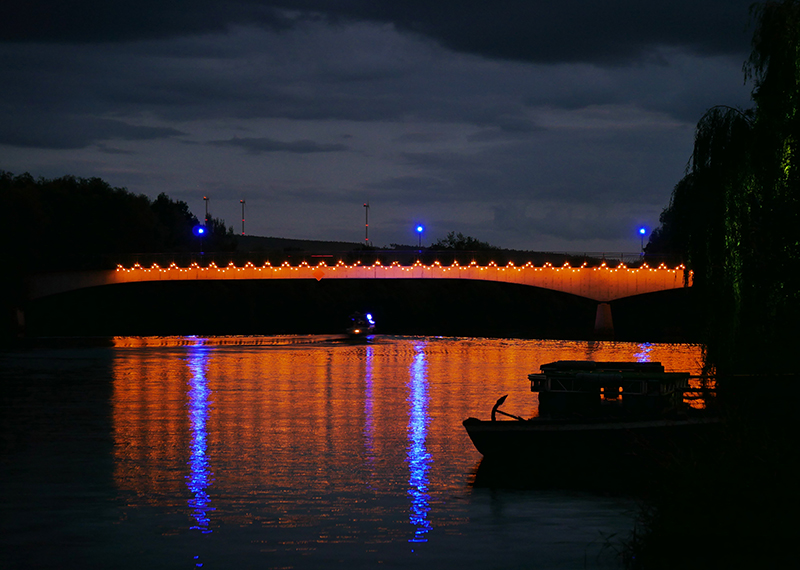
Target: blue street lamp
200,231
642,232
420,229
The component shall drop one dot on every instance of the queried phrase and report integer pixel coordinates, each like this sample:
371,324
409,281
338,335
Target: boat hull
567,452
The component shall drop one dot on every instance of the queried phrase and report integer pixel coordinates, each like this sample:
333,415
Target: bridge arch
602,284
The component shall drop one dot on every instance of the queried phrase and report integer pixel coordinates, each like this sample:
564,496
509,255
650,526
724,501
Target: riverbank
731,503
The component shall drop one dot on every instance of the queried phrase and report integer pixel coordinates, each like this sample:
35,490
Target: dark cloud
93,21
506,129
525,30
112,150
359,73
564,31
414,188
414,138
65,131
260,145
638,163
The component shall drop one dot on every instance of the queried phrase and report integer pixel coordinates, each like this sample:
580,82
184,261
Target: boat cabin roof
591,366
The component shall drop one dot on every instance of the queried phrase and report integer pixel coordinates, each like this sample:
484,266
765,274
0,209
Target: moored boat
596,420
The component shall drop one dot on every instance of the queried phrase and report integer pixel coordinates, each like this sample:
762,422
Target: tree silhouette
65,222
460,242
735,216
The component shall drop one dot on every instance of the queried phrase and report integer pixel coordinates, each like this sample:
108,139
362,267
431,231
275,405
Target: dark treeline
69,223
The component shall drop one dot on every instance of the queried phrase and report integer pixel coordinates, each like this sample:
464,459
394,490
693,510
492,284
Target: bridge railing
405,257
386,257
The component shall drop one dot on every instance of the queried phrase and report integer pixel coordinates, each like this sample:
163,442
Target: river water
286,452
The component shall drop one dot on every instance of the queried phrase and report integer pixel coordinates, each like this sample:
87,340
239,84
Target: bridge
602,283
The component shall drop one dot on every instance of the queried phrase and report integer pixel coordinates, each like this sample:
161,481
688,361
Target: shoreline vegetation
736,217
731,501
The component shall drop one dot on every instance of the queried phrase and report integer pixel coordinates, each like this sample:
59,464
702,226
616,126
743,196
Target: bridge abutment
603,321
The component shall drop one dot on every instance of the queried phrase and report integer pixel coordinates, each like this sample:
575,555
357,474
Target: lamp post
642,232
420,229
200,231
366,223
242,203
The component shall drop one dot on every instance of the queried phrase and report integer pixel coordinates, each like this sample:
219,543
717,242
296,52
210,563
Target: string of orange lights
602,283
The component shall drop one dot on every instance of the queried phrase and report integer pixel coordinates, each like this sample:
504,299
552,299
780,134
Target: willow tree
714,206
774,66
736,212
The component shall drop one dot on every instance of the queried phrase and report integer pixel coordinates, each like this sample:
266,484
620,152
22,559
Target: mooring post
603,323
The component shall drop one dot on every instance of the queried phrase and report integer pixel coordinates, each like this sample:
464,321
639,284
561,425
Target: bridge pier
603,323
12,322
20,321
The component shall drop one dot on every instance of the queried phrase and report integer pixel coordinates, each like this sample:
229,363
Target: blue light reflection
419,460
643,355
369,401
200,476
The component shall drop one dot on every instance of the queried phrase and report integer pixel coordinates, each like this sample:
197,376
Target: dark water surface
285,452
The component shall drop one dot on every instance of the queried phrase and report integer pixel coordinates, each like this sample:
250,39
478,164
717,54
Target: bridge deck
602,284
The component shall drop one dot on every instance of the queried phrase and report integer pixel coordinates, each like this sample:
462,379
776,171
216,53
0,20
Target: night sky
529,124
